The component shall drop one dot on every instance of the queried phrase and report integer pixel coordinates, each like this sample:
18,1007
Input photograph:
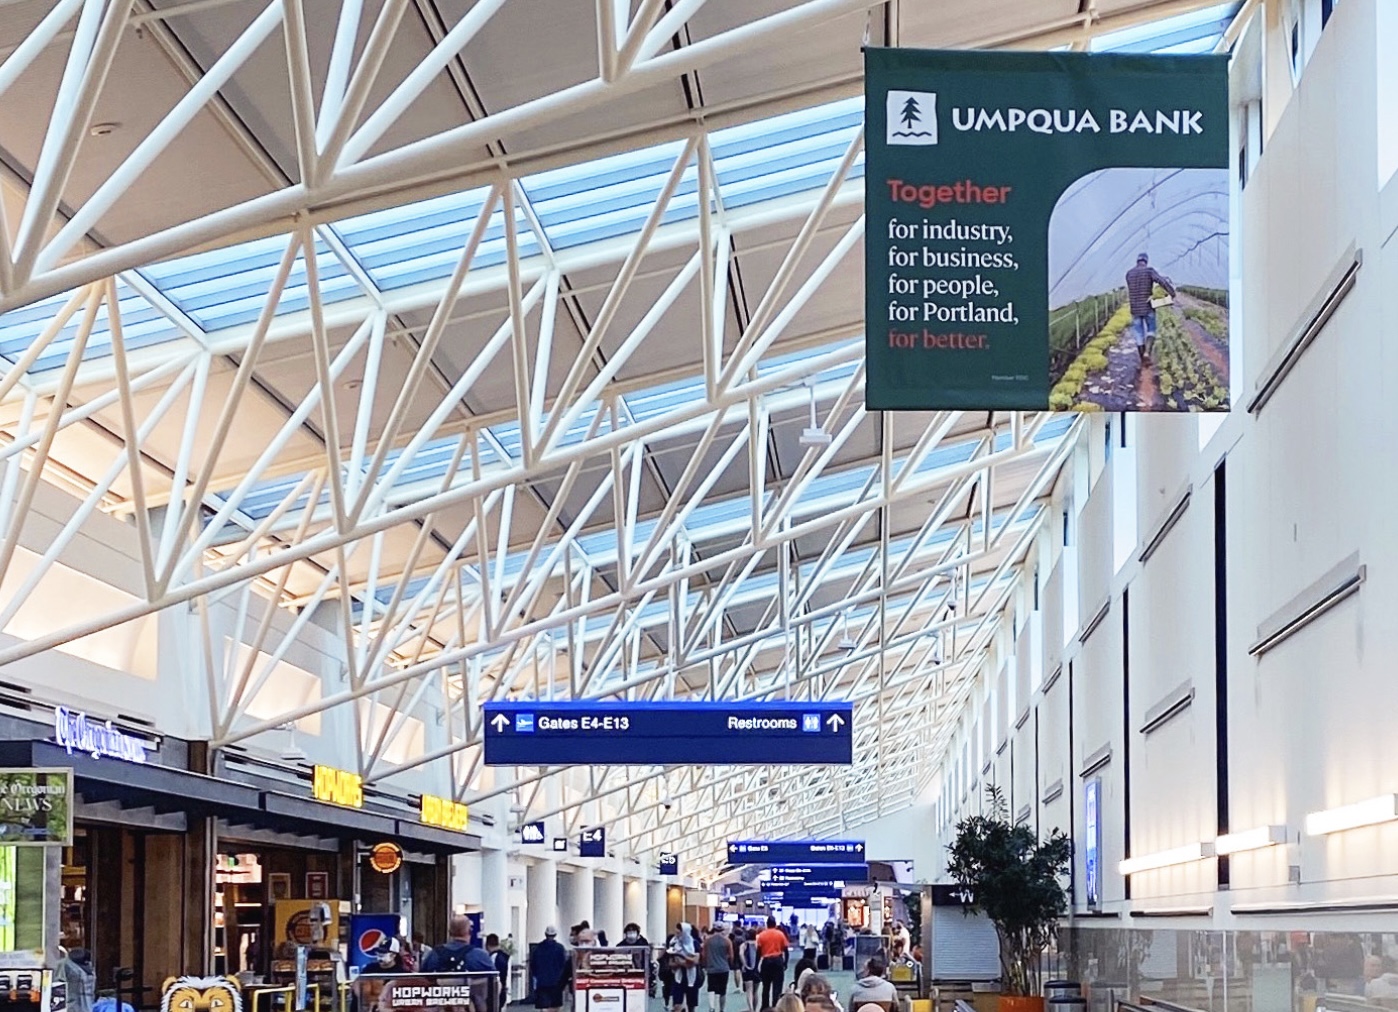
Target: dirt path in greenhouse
1214,351
1128,384
1125,385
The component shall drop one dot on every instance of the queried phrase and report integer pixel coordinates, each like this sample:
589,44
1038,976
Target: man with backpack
457,954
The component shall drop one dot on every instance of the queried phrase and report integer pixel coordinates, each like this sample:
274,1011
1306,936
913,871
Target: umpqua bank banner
1046,230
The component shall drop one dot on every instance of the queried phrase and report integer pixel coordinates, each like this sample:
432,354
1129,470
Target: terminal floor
840,981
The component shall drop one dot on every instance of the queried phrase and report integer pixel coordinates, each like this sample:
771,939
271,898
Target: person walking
548,970
75,970
772,945
751,978
1140,286
718,966
501,959
736,938
902,940
682,959
457,954
805,965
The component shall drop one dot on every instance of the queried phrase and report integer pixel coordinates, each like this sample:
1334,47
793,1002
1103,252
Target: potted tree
1009,874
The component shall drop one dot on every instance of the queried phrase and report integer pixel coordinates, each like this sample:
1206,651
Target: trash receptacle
1062,1002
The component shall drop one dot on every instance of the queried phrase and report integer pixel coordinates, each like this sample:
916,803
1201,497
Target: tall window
1124,532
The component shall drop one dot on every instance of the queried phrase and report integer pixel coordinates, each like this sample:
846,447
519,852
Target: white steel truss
463,555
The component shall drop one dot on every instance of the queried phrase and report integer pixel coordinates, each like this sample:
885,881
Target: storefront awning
165,789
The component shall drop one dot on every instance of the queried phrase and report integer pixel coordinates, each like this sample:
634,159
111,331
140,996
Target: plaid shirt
1140,284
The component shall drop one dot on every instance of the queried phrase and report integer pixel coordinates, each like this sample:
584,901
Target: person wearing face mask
631,937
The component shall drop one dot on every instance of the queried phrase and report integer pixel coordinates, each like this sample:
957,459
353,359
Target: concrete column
656,924
495,892
541,897
633,902
575,898
610,891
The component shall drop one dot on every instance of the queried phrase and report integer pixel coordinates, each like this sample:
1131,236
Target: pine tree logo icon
912,117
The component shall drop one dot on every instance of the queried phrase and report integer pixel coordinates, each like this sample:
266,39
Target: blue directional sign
795,851
669,864
813,875
801,899
532,832
593,842
592,733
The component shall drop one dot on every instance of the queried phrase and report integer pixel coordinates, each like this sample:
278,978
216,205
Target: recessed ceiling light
103,129
353,384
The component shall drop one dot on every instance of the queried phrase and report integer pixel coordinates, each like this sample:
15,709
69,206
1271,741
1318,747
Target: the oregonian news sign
1046,230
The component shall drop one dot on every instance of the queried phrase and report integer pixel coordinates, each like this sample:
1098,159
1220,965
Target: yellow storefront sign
443,813
338,787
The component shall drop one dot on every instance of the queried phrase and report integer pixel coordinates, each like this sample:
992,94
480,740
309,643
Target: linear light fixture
1370,812
1336,586
1168,524
1317,314
1250,839
1166,858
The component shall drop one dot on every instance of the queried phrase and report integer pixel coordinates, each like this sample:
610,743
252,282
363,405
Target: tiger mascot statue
201,994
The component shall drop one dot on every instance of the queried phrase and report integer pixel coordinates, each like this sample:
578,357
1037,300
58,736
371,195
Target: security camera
668,802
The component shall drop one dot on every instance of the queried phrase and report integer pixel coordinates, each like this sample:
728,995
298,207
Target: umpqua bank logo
912,117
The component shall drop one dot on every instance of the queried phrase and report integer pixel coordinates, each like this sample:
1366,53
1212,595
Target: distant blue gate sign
593,843
593,733
795,851
669,864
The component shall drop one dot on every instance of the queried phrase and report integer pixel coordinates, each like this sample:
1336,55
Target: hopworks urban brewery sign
443,813
1046,230
77,732
36,807
337,787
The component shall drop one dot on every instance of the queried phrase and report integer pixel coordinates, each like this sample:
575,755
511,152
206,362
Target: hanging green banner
1046,230
36,807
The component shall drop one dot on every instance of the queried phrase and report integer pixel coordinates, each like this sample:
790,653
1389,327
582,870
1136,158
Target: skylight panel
658,400
609,197
228,287
142,325
799,179
423,241
793,153
1167,33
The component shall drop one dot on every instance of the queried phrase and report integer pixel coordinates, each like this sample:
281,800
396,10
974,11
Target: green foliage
1015,879
1092,360
1218,296
1183,376
1210,320
1068,323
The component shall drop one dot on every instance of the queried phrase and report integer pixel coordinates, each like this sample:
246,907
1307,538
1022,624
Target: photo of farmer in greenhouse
1138,292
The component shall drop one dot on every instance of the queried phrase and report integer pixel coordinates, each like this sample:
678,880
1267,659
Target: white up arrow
835,721
501,722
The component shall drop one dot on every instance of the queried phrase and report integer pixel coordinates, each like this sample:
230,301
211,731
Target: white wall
1309,481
